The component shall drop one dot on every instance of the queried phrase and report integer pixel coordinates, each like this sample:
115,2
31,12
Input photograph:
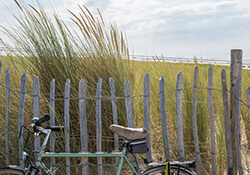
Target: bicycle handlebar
55,128
43,119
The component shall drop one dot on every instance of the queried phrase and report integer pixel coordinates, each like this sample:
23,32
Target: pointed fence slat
194,120
21,116
163,119
99,124
115,119
52,122
179,116
227,123
146,108
211,116
7,119
36,111
83,124
66,123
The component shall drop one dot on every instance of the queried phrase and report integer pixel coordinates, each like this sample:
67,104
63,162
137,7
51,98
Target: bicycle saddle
129,133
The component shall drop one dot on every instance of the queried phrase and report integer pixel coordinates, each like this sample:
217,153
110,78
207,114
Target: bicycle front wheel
174,170
11,171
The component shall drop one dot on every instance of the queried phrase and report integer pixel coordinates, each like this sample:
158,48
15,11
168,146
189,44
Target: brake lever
21,129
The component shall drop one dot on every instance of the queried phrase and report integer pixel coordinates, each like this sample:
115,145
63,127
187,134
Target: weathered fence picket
179,117
7,119
129,110
83,124
129,106
21,116
66,124
146,107
52,123
115,118
227,123
163,119
211,116
36,112
194,120
99,124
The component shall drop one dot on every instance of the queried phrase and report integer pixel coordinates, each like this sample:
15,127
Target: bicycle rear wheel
11,171
174,170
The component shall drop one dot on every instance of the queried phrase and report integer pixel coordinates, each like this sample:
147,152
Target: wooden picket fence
130,118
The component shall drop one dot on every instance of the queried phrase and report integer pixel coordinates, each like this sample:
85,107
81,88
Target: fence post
99,125
163,119
115,119
66,123
7,119
211,116
235,96
83,124
52,122
36,111
227,123
21,116
146,108
194,120
179,116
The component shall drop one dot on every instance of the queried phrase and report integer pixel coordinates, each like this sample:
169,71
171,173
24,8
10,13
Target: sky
180,28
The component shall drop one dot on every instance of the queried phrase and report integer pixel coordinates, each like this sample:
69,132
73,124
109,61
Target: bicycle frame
42,153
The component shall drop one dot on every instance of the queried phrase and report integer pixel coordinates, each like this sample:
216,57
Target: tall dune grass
48,48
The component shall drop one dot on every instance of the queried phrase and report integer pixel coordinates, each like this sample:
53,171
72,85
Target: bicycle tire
174,170
11,171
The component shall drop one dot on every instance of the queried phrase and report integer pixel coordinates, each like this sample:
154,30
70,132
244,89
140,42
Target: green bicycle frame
86,154
42,153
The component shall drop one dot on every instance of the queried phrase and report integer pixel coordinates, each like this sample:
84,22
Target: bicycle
135,142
